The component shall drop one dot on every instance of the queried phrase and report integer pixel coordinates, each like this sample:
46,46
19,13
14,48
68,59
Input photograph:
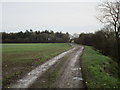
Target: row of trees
35,37
103,40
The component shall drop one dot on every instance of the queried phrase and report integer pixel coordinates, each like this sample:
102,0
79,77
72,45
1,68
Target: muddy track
62,71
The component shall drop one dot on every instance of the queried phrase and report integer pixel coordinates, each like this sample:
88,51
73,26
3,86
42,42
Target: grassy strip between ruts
99,71
53,76
55,73
19,59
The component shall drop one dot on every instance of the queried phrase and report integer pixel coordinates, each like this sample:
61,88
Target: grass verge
99,71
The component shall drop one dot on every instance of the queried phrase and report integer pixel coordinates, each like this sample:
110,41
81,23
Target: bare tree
110,14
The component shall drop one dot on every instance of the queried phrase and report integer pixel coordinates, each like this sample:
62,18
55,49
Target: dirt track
67,66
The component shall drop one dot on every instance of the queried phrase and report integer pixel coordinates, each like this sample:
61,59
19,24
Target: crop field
18,59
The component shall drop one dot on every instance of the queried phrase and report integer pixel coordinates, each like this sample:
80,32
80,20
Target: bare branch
110,13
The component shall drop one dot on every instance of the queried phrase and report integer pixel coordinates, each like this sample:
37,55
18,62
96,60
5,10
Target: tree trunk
118,44
118,50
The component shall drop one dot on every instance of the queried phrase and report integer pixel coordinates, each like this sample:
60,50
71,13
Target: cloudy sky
72,17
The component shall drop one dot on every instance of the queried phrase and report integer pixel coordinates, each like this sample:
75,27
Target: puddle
77,78
74,69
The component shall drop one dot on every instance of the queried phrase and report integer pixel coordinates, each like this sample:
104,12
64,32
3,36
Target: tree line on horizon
35,37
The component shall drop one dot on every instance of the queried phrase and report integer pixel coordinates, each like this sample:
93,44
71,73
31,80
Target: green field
18,59
99,71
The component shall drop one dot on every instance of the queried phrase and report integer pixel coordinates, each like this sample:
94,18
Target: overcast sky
72,17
